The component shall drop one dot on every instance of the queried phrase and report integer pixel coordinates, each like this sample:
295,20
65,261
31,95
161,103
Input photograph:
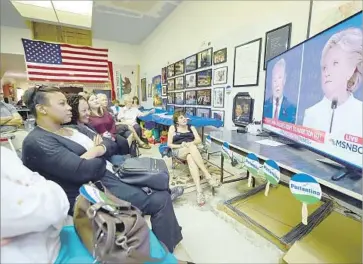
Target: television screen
242,109
313,93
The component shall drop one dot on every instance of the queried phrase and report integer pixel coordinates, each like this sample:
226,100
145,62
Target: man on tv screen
278,106
341,75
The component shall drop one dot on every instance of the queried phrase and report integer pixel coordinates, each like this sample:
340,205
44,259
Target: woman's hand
97,140
95,152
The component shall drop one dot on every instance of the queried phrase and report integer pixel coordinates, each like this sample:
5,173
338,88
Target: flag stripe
65,63
83,47
66,80
67,68
65,74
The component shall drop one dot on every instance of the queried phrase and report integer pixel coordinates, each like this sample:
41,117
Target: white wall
119,53
225,24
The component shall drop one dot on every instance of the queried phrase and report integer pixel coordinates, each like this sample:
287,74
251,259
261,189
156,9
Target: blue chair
74,252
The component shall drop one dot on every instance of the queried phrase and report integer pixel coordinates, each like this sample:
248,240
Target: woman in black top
71,158
182,139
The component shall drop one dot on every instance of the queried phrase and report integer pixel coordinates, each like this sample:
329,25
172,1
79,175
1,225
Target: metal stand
235,180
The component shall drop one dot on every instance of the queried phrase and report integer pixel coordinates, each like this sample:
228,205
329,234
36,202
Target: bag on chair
113,231
144,172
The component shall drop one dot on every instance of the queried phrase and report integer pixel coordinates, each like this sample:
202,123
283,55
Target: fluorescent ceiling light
77,13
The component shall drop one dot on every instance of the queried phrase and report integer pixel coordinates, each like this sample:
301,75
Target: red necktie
276,113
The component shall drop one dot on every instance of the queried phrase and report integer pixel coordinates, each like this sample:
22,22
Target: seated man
10,121
130,113
33,211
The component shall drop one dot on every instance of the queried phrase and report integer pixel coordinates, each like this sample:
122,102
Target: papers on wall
269,142
247,63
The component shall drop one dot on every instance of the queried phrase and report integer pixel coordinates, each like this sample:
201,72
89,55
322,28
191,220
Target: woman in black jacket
73,156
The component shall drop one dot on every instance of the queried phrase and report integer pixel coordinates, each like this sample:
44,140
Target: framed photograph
204,78
179,109
179,83
164,104
170,108
179,67
204,58
191,63
220,75
179,98
171,84
191,80
218,114
170,71
170,98
247,59
277,41
163,75
203,112
164,89
218,97
189,111
191,97
204,97
220,56
143,90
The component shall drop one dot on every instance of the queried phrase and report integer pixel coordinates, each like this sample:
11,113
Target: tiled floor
211,236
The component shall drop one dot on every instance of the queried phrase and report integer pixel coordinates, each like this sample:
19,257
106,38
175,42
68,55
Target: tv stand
342,171
279,139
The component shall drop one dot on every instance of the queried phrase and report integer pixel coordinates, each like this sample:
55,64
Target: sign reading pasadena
307,190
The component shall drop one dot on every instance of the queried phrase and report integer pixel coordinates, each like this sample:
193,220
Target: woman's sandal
144,146
200,199
213,182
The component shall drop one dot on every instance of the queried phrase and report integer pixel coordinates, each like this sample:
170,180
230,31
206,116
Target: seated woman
80,116
71,158
136,103
130,113
104,124
183,140
33,211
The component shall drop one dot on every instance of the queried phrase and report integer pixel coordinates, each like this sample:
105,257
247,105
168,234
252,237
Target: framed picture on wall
220,56
247,57
170,71
170,108
191,63
191,80
204,78
277,41
218,97
179,109
179,83
171,84
191,97
165,103
149,90
143,90
179,98
163,75
204,97
220,75
204,58
190,111
218,114
179,67
203,112
164,89
170,98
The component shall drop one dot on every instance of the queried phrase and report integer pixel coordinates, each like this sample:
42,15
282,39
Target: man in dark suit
278,106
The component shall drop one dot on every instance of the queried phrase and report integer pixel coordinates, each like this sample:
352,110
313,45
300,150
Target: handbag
113,230
144,172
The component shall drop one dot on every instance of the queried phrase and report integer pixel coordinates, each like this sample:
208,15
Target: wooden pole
309,19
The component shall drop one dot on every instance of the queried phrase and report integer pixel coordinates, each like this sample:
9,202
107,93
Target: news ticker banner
307,190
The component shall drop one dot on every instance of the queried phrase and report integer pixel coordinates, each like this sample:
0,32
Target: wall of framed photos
228,25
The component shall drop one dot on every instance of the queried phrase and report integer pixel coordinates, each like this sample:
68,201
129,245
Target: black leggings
123,145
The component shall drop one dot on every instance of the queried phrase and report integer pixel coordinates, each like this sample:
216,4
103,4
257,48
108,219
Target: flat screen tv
313,93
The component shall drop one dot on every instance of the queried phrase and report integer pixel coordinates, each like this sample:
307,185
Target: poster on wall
125,80
156,90
143,90
149,92
277,42
247,59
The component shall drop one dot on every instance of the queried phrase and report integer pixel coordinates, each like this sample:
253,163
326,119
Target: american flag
65,63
